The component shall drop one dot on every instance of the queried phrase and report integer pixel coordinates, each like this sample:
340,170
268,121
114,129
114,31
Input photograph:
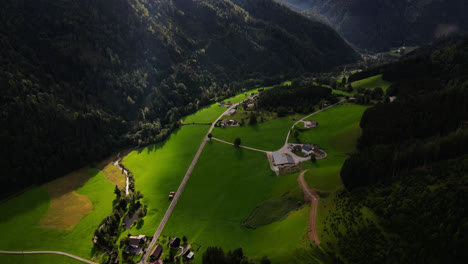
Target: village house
174,243
156,254
228,123
232,112
222,104
135,245
307,150
310,124
282,160
188,255
228,104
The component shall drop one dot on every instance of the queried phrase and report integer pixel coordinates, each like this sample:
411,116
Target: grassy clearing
67,207
269,135
112,173
159,169
19,222
224,189
337,134
371,83
272,211
210,113
39,258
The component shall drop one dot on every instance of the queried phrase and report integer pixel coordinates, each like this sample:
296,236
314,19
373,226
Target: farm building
310,124
228,104
136,241
232,112
222,104
227,123
134,245
307,150
174,243
156,254
189,254
282,160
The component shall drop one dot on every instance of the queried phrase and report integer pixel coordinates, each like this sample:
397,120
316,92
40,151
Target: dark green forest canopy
83,78
378,25
424,125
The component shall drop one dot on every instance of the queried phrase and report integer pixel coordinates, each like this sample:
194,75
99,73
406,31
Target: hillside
382,24
83,78
411,164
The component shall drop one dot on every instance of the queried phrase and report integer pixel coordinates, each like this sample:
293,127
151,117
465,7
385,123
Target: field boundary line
47,252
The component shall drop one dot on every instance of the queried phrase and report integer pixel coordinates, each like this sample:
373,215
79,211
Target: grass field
223,191
337,134
371,83
39,258
210,113
268,136
19,222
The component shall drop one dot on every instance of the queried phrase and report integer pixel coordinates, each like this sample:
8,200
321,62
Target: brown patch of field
111,172
67,207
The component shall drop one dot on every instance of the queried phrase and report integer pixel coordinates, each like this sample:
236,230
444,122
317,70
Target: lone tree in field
237,142
210,136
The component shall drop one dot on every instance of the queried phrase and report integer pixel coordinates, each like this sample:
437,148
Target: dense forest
411,165
378,25
83,78
299,97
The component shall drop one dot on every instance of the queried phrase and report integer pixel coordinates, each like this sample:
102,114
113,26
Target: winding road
48,252
310,195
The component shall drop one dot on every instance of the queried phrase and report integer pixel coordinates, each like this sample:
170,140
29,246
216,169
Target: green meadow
210,113
37,258
268,136
21,215
337,133
159,169
225,188
371,83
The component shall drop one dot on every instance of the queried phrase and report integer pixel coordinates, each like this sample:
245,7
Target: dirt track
310,195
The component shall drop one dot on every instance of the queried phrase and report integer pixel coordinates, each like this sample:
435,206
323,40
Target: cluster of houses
225,104
229,123
174,243
308,150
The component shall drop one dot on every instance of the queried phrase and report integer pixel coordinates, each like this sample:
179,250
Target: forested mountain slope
380,24
82,78
411,166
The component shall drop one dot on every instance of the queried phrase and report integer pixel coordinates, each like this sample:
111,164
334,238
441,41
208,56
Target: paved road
180,190
48,252
310,195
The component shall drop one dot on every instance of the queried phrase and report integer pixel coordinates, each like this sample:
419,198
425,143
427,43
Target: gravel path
48,252
310,195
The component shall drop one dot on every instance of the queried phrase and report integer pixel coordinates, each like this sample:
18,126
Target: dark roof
156,252
133,241
175,242
306,148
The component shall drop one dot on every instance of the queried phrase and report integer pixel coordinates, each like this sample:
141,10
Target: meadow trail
310,195
48,252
